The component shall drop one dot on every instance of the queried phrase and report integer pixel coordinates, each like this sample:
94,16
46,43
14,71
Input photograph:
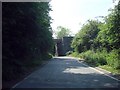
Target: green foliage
62,32
98,43
102,57
27,36
109,34
111,69
94,58
74,54
69,53
113,59
84,39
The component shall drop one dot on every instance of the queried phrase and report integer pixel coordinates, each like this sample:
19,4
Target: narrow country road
64,72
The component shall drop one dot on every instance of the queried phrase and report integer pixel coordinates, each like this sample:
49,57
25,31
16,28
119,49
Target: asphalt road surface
64,72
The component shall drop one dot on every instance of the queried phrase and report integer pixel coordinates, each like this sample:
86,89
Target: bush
75,54
69,52
90,57
113,59
94,58
101,57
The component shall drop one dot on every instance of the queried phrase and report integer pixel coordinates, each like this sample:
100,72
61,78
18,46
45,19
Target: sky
72,14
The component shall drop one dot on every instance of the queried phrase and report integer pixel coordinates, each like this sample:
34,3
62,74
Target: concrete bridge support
62,46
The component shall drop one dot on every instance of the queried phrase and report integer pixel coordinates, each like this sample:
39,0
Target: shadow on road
78,71
64,72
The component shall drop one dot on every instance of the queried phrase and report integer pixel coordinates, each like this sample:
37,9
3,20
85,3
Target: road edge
98,69
14,86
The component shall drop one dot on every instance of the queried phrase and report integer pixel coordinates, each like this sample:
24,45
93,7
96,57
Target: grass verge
102,60
110,69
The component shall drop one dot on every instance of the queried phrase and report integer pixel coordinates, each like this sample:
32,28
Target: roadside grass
100,59
110,69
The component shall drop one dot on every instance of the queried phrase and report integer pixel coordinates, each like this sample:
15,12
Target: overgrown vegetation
98,42
109,68
27,37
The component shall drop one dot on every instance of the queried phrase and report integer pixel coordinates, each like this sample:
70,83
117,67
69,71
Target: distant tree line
26,36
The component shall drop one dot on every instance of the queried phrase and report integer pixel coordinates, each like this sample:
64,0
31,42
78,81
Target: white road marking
99,71
79,62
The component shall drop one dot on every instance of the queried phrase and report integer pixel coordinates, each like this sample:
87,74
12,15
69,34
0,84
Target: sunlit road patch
66,72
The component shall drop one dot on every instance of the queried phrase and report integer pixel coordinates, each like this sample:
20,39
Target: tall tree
84,39
62,32
109,35
27,35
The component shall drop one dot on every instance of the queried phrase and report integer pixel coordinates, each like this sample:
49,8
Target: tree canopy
27,35
99,42
62,32
84,39
109,35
